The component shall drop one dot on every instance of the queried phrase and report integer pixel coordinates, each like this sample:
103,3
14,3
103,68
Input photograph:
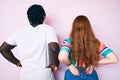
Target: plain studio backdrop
104,16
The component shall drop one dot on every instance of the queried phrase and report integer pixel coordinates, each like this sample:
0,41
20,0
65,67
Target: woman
81,52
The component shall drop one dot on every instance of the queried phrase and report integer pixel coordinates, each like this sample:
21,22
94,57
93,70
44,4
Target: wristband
68,64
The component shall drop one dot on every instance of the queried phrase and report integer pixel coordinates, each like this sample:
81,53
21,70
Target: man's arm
54,51
5,50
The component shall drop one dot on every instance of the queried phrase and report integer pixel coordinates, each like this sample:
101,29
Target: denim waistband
83,75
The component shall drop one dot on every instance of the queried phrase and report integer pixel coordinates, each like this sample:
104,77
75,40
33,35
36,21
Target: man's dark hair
36,15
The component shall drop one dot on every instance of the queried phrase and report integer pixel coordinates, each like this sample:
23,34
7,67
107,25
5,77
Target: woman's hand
89,69
74,70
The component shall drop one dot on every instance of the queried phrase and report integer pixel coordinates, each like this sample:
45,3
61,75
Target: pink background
104,16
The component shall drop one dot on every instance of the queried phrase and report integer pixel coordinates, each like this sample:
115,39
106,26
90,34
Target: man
37,45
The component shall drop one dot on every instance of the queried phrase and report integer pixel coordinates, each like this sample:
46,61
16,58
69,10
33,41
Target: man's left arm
54,51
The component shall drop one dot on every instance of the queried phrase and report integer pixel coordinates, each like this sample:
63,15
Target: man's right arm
5,50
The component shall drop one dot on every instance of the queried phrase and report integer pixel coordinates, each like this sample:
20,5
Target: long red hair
84,45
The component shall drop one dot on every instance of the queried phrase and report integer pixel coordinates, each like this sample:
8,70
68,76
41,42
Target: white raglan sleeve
52,35
12,39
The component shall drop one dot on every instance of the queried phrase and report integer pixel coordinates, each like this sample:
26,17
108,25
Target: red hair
84,44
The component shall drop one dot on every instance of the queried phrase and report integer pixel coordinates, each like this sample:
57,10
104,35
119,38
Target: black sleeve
54,51
5,50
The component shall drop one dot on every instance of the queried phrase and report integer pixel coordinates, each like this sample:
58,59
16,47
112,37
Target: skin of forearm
63,57
9,56
54,51
105,61
54,59
66,61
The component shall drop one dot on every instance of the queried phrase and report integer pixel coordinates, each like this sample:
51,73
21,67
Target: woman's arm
63,57
111,58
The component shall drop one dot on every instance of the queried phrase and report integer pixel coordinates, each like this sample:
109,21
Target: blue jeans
83,75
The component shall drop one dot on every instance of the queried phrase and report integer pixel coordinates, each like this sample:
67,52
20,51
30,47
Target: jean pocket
69,76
